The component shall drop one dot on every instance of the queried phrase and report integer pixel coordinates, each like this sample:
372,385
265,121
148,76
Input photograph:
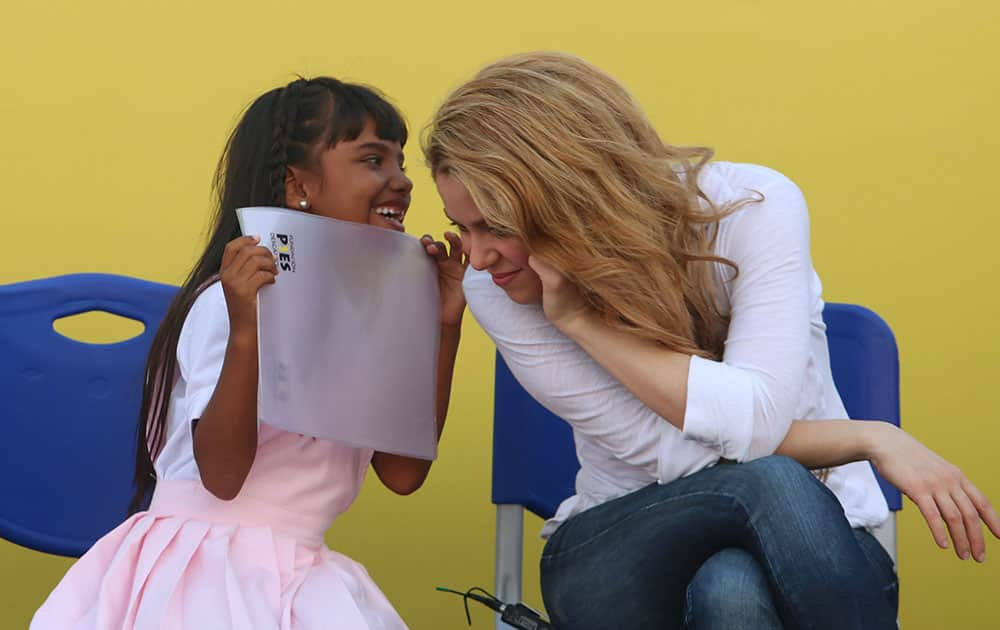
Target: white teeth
389,213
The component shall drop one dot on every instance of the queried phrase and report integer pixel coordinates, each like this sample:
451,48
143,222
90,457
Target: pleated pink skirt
196,562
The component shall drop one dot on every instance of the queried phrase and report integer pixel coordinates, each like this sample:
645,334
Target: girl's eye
373,159
499,232
461,228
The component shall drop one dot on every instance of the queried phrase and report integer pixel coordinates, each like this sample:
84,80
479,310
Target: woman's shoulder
771,208
728,182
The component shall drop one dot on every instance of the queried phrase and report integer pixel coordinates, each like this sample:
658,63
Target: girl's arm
401,474
404,475
225,437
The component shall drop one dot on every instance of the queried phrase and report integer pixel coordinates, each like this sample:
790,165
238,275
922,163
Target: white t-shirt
775,367
201,351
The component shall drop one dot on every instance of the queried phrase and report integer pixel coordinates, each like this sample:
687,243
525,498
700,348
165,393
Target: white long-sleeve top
775,368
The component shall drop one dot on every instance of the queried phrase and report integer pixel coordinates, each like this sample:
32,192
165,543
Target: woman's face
360,180
505,257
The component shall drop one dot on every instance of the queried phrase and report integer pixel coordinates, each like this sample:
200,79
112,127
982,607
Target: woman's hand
561,299
944,495
451,264
246,267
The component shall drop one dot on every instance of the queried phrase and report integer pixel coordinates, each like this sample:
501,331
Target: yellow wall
112,117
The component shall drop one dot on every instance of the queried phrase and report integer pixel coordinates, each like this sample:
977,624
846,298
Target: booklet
348,334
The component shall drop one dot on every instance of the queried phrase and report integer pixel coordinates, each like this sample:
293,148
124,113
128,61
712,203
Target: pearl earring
303,204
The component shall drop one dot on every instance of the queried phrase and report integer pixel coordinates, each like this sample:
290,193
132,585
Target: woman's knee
730,590
785,481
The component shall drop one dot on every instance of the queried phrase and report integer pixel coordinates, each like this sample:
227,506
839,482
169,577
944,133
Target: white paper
348,334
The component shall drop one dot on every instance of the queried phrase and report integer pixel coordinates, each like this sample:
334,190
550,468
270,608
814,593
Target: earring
303,204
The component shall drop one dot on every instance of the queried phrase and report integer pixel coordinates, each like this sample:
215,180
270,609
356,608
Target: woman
667,308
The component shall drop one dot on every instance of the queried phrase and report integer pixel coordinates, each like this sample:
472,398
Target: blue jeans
730,591
628,563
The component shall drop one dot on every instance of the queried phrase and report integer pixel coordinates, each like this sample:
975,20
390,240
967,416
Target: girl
233,537
667,308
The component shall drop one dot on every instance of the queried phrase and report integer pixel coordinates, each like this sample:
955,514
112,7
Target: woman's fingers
973,528
983,507
927,506
952,516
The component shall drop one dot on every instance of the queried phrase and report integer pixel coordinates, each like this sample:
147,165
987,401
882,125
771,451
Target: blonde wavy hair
557,153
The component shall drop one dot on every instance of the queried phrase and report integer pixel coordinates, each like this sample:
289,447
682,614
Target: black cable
517,615
489,600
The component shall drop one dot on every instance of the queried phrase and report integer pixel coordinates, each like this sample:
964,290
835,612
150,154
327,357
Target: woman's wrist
576,324
875,436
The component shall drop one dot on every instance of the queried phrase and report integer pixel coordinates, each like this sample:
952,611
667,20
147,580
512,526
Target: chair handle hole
98,327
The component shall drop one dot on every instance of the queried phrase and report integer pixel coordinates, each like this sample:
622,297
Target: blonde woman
667,308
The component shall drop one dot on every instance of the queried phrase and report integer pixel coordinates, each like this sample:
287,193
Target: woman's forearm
828,443
655,375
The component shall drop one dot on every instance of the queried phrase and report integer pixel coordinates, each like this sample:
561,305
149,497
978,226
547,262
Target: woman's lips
503,279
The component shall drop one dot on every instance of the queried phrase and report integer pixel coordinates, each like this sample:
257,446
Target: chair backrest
534,459
69,410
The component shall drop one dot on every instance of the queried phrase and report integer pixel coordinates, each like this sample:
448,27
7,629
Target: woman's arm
743,405
401,474
947,499
655,375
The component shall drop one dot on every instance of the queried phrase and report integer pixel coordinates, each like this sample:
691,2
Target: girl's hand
561,299
451,264
944,495
246,267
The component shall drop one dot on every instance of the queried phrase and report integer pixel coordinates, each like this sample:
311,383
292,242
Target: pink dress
256,562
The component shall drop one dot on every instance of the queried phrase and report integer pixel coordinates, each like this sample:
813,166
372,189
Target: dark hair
288,126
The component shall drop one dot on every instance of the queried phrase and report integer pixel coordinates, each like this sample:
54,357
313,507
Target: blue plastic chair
534,459
69,410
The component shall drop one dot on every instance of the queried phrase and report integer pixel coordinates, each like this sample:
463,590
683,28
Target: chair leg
509,551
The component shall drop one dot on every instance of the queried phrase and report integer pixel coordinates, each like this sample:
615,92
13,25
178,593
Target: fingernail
965,555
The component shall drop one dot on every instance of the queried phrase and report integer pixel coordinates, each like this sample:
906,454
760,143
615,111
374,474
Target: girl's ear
299,187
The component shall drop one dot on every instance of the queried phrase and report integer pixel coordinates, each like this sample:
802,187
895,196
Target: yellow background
113,114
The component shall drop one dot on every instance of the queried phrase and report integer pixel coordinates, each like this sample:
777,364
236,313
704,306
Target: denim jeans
730,591
628,563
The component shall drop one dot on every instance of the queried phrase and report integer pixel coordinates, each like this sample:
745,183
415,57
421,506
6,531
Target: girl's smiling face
361,180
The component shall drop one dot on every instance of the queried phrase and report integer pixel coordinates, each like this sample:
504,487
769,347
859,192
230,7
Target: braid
285,117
